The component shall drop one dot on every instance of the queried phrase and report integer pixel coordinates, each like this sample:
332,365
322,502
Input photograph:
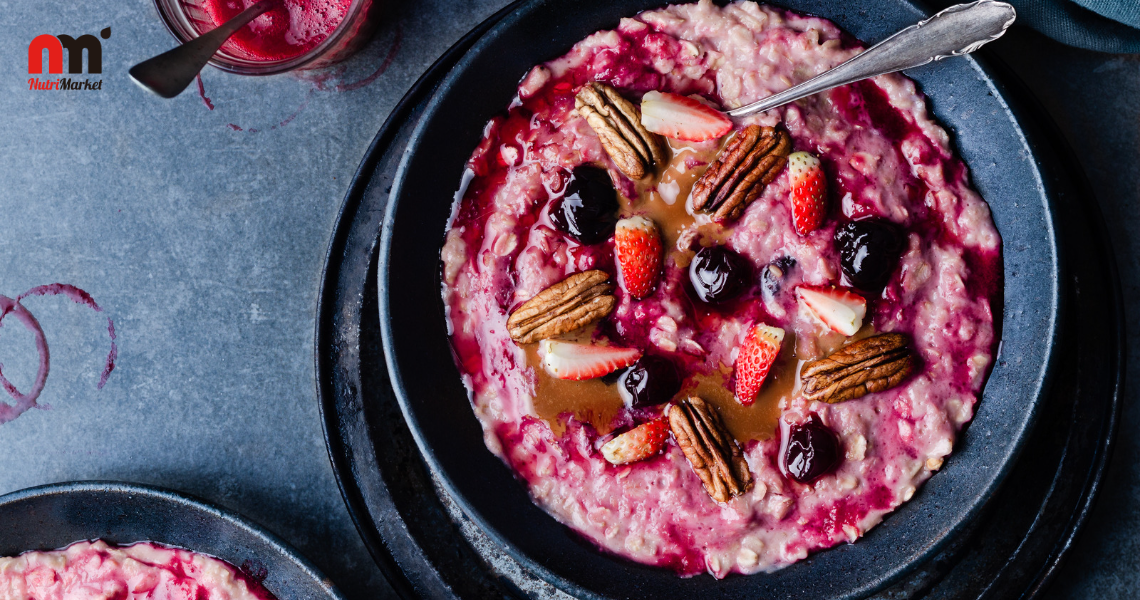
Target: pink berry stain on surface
8,306
330,79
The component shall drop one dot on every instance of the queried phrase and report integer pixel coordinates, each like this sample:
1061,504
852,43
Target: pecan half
744,167
617,121
710,449
574,302
869,365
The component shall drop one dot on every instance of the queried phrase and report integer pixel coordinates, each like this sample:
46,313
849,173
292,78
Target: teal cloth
1117,10
1104,25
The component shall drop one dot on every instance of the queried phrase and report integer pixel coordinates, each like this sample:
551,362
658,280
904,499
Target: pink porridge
779,340
93,570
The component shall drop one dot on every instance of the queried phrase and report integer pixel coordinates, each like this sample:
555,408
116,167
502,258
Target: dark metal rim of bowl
385,486
433,399
53,516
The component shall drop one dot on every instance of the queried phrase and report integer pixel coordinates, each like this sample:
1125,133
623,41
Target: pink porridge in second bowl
717,346
95,570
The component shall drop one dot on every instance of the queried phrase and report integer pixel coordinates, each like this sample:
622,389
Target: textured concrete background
202,232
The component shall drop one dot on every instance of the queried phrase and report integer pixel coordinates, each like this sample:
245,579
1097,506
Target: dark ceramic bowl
986,133
53,516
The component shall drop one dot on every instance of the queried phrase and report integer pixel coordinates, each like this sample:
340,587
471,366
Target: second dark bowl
56,515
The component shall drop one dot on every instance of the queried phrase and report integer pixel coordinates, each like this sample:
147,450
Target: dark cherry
868,252
718,274
813,451
650,381
587,211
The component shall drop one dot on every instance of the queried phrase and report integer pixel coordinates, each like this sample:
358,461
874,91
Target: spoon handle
170,72
958,30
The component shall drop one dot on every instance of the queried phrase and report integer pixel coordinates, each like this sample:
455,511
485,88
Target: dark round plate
429,550
1003,168
53,516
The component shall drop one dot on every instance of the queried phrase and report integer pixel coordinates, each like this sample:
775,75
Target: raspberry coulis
285,31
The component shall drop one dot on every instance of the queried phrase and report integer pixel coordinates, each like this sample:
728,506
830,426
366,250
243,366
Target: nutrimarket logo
53,46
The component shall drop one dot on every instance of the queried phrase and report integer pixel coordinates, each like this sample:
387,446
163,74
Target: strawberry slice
809,192
637,243
567,360
755,358
638,443
683,118
838,309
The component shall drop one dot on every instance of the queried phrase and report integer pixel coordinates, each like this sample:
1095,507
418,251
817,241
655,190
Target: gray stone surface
205,244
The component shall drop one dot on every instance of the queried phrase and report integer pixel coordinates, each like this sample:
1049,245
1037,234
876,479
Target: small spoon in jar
170,72
958,30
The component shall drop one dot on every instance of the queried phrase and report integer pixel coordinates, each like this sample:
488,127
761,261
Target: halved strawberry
676,116
755,358
637,244
568,360
809,192
838,309
638,443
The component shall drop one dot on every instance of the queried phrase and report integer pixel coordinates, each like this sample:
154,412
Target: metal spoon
958,30
170,72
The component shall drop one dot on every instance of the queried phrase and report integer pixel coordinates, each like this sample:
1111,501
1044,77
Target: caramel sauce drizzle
665,199
590,401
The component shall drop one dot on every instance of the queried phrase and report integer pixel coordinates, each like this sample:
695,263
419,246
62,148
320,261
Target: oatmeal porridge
709,345
97,570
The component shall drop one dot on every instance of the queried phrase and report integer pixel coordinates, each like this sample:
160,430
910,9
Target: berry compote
718,274
587,212
652,380
812,451
868,252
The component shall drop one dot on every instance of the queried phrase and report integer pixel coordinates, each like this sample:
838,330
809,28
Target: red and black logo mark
53,46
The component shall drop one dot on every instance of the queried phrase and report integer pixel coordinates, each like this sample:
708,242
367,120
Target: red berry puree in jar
285,31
